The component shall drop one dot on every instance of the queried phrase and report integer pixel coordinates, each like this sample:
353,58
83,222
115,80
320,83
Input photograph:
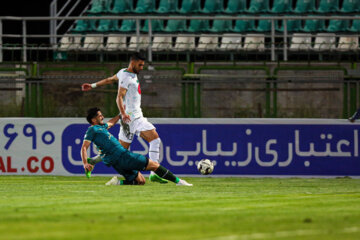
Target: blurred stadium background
214,58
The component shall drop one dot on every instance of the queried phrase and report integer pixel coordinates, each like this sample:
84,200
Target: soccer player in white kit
129,101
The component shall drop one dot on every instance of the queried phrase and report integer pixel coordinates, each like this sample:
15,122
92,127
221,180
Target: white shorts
135,127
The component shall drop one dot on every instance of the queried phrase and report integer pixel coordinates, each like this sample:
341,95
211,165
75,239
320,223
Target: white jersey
132,99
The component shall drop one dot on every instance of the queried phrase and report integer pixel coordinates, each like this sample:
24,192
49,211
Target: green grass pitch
50,207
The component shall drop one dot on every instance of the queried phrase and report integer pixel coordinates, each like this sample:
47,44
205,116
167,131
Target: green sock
166,174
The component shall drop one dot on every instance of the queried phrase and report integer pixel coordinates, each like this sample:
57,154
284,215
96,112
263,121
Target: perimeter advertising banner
238,147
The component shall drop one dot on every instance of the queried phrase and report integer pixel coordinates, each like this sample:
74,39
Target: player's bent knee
155,142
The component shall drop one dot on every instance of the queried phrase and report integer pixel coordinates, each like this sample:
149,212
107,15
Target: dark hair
91,113
137,56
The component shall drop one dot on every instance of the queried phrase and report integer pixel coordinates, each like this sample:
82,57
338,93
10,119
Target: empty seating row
217,6
218,26
227,42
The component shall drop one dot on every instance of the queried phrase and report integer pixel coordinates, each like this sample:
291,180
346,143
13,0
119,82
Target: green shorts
129,164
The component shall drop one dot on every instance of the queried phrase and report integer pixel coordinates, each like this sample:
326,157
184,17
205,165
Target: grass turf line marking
280,234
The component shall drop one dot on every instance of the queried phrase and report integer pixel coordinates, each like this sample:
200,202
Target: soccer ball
205,167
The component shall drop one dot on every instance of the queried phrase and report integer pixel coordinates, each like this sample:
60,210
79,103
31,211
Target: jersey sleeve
124,81
89,135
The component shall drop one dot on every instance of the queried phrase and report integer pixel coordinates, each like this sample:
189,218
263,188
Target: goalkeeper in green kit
113,154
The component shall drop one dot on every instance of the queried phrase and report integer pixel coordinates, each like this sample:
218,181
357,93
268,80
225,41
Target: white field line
283,234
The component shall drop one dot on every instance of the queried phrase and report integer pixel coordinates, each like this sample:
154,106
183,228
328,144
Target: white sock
154,151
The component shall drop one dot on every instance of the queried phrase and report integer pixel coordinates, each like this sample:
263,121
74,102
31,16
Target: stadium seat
97,6
156,25
197,25
213,6
281,6
258,6
355,26
184,43
190,6
128,25
85,26
264,26
122,6
167,6
162,43
244,26
304,6
221,26
236,6
207,42
115,42
107,25
254,42
70,42
348,43
231,42
145,6
300,41
349,6
336,25
143,43
328,6
92,43
314,25
291,26
324,41
174,25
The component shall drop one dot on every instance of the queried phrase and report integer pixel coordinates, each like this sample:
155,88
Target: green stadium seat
107,25
190,6
156,25
221,26
85,26
282,6
328,6
122,6
304,6
175,26
264,26
336,25
145,6
81,26
314,25
291,26
236,6
198,26
258,6
128,25
349,6
355,26
244,26
96,6
167,6
213,6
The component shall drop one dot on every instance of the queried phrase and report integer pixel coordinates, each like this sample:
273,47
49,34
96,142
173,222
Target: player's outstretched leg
154,153
116,181
355,116
165,173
